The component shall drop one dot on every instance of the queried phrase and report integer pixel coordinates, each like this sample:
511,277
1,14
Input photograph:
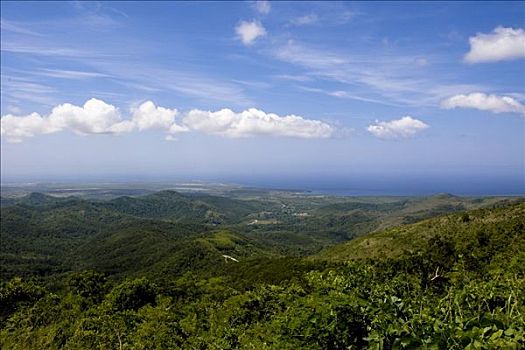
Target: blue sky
232,90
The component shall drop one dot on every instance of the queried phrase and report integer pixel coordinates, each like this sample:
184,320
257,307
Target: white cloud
305,20
374,77
254,122
399,128
16,28
502,44
149,116
94,117
346,95
253,83
292,77
322,61
338,93
70,74
15,129
176,128
99,117
484,102
130,73
263,6
248,32
24,48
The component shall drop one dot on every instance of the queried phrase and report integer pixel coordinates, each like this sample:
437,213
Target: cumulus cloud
253,122
94,117
263,6
99,117
16,128
248,32
399,128
148,116
484,102
502,44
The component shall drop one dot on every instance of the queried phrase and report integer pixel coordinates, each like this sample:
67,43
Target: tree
132,295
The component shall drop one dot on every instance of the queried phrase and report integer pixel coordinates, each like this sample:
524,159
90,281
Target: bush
132,295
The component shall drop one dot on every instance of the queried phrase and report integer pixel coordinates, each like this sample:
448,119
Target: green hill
171,205
376,213
101,275
44,235
456,228
169,250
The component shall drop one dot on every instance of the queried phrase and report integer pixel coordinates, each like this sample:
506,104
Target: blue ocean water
395,186
349,185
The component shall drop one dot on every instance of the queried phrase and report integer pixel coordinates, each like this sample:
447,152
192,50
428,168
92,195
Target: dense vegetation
151,273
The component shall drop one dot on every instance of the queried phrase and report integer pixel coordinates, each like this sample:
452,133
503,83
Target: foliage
451,282
132,295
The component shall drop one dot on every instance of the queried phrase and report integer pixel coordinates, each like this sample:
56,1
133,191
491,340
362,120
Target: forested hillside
161,272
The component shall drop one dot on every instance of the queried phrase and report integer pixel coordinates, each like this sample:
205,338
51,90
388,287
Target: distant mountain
173,232
165,249
172,205
378,213
45,235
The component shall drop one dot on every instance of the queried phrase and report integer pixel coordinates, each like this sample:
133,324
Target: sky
428,93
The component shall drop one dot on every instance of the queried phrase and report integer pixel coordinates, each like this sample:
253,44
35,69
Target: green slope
452,282
172,205
456,228
43,235
166,251
41,239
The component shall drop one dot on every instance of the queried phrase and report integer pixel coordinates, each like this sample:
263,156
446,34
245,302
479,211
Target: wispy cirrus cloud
327,13
45,50
293,77
330,65
121,64
391,79
253,84
131,73
70,74
18,88
346,95
296,53
19,28
262,6
16,83
308,19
